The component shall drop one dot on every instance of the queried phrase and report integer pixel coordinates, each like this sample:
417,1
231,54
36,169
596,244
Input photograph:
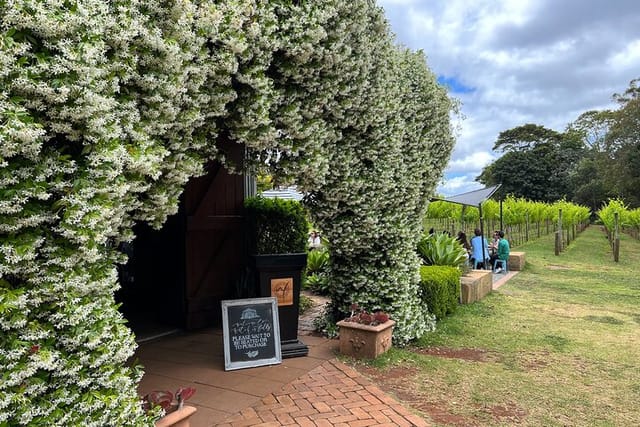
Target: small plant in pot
365,334
277,244
172,406
365,318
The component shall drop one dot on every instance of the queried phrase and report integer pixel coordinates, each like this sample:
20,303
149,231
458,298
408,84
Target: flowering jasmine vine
107,109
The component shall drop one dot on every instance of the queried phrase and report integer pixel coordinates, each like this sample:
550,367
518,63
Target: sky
512,62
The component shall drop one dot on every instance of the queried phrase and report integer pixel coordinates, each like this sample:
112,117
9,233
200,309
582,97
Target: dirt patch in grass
403,382
438,413
399,381
507,412
471,354
558,267
534,361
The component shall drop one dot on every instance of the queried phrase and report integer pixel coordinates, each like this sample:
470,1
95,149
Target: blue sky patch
454,85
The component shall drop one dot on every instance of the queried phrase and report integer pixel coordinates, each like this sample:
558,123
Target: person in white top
314,240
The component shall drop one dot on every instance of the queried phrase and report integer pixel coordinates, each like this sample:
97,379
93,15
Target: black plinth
269,267
295,348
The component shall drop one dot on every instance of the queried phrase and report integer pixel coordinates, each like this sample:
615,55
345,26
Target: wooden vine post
559,233
616,238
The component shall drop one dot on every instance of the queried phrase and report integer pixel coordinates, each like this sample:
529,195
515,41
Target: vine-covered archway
108,108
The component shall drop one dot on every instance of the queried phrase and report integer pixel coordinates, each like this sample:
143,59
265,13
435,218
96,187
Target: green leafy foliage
317,261
608,212
515,211
318,283
441,249
440,289
278,226
305,303
317,272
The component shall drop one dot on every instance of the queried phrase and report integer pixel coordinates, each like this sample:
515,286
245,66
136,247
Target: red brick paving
332,394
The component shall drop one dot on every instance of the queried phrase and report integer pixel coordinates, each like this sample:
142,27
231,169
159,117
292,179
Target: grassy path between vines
558,345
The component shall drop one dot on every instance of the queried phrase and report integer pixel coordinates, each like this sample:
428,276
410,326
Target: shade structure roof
471,198
289,193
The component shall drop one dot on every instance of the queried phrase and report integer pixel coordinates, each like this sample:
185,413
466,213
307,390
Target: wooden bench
516,261
475,285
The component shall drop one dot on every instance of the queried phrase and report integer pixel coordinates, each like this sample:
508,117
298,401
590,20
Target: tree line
595,159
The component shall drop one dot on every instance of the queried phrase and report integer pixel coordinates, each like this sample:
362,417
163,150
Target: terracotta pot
365,341
178,418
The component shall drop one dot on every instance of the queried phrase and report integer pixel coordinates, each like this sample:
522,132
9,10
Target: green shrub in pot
276,226
277,238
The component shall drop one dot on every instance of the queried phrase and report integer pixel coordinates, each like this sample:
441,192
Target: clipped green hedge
276,226
440,289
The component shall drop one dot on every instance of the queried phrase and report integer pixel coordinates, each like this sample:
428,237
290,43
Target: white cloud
470,163
457,185
628,58
535,61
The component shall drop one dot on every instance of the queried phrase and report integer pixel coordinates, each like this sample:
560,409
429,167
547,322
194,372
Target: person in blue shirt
479,250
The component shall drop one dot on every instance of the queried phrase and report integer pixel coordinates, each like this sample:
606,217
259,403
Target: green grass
562,339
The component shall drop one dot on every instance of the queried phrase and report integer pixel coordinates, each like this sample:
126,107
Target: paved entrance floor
502,278
316,390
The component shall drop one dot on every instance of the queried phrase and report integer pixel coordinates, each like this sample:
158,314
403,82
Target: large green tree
610,167
624,143
536,164
591,178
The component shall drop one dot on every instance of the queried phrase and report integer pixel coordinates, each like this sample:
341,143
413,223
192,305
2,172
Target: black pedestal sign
251,333
279,276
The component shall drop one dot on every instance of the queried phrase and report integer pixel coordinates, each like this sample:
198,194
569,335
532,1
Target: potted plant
277,244
172,404
364,334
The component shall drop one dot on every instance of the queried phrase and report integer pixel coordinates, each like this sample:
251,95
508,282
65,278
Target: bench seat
475,285
516,261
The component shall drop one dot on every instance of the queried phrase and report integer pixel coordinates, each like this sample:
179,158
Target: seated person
479,250
493,246
502,251
462,239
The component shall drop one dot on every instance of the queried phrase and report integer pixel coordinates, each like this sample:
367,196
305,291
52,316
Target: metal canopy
475,198
471,198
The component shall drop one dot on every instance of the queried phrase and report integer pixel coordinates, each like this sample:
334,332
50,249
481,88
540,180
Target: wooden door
215,251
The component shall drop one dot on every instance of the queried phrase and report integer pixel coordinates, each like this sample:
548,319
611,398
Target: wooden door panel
215,242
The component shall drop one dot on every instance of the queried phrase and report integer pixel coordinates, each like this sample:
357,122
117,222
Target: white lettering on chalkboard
246,327
250,334
244,342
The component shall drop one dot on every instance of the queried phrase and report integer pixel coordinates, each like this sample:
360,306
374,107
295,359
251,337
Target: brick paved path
332,394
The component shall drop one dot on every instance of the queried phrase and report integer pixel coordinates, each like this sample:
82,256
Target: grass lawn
558,345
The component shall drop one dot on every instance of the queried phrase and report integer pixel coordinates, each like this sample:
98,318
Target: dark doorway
152,282
177,277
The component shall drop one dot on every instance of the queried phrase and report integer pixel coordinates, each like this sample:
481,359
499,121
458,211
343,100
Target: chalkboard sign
251,333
